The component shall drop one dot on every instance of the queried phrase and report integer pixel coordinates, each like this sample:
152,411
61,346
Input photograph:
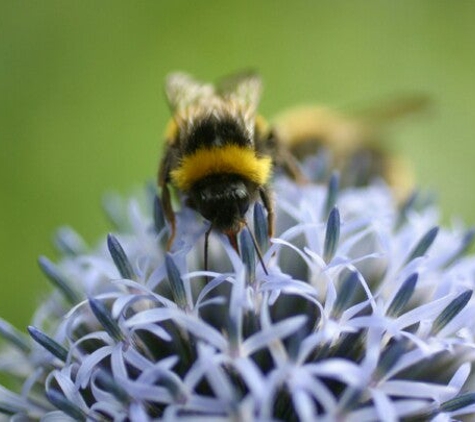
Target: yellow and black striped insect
219,152
355,141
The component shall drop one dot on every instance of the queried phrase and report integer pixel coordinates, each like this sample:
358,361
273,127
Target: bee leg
283,157
169,214
266,194
291,166
165,198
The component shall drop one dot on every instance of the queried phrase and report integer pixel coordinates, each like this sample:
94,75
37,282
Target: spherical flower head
360,309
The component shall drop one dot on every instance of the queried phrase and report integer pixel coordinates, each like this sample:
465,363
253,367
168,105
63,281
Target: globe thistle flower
361,310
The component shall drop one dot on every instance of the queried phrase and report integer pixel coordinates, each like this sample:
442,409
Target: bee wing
244,87
182,90
394,109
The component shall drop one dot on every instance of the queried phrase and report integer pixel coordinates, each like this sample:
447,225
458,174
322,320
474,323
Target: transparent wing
183,90
243,87
393,109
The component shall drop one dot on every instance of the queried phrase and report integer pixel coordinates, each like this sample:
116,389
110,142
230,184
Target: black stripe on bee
211,132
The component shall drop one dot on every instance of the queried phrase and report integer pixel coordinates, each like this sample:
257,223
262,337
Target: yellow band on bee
229,159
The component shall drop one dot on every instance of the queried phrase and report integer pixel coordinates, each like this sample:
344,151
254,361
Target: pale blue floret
361,311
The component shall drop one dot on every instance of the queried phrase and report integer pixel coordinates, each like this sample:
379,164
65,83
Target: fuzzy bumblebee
219,153
354,141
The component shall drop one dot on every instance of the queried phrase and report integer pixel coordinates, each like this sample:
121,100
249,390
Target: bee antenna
206,247
256,247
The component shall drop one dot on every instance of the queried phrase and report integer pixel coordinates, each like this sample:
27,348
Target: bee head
223,199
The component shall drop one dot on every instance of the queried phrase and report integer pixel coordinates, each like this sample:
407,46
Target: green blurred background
82,108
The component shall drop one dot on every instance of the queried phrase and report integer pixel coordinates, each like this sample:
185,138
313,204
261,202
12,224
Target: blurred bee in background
219,153
354,142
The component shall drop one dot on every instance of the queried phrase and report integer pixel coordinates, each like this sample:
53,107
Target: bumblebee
354,141
219,153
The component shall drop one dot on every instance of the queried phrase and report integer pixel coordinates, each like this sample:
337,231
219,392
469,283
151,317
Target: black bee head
223,199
